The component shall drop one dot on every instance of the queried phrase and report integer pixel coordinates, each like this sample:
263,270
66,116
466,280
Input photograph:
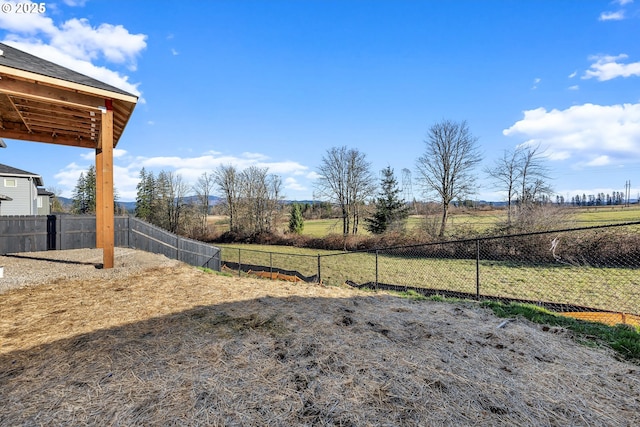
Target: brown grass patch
611,319
174,345
275,276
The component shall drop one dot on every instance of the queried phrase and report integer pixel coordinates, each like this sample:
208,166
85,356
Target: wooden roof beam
19,113
49,139
49,94
59,118
31,105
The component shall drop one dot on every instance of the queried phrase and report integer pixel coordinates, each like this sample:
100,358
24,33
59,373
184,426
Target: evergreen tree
90,189
84,193
145,196
79,200
391,211
296,221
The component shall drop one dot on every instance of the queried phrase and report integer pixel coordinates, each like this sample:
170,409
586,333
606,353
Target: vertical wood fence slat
61,232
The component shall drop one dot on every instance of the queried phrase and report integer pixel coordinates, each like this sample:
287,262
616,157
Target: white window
10,182
39,202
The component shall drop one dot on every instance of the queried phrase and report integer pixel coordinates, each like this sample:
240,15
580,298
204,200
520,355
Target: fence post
477,269
376,269
271,265
59,232
319,278
130,226
239,262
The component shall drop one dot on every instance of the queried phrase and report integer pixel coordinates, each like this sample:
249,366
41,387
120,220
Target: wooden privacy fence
61,232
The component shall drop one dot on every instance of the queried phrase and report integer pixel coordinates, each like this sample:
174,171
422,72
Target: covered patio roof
44,102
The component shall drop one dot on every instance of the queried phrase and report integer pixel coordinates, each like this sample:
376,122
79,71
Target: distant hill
130,206
213,200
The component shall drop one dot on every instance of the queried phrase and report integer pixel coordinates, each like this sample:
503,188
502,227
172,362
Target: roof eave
90,90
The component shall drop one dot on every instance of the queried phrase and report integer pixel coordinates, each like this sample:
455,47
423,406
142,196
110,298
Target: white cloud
174,52
291,183
67,178
26,23
91,155
558,155
572,75
75,3
611,16
127,169
623,2
80,40
574,87
76,44
589,134
535,83
254,156
599,161
607,67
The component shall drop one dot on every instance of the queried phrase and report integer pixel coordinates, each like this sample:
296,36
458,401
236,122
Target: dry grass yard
168,344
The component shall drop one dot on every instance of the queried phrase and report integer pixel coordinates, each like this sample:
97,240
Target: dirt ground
167,344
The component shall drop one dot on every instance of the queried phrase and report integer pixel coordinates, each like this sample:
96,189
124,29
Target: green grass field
481,220
478,220
615,289
602,215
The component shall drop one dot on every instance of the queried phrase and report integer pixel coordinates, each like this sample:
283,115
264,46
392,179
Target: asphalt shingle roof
15,58
10,170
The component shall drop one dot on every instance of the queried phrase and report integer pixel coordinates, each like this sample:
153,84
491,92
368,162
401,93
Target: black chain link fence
593,272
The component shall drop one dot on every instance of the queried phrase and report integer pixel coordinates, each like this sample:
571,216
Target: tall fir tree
79,200
90,189
84,196
391,211
296,221
145,196
84,193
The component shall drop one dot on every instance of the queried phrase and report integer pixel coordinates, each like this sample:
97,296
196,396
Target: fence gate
51,232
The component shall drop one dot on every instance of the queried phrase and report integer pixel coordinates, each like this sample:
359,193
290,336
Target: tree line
83,199
252,198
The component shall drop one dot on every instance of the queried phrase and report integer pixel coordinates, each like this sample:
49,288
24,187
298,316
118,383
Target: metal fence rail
584,269
250,261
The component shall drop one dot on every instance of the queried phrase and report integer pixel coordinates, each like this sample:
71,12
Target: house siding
24,196
43,205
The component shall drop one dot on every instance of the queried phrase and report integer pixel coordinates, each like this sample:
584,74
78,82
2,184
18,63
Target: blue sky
277,83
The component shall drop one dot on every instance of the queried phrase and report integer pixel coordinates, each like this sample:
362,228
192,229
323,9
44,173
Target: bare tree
346,179
506,174
203,188
171,207
56,204
275,196
227,181
523,175
252,197
446,168
534,175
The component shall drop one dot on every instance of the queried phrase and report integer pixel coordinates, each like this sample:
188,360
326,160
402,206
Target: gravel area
49,267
